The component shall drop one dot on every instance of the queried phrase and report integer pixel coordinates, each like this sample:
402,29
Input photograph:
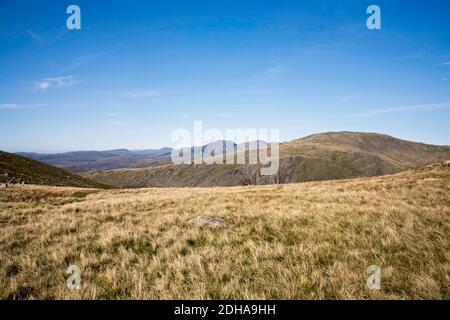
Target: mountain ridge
324,156
82,161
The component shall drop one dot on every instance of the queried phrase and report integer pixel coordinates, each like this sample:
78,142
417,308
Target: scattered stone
211,221
447,163
3,185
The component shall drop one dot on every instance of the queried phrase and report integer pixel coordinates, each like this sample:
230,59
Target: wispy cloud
81,61
421,107
9,106
136,94
56,82
446,63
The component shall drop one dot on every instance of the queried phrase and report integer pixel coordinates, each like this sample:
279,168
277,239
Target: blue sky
137,70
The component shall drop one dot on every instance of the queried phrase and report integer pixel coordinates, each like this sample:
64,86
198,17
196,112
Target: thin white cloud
56,82
446,63
421,107
136,94
42,85
9,106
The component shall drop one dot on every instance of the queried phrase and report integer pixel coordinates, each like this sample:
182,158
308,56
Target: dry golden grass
301,241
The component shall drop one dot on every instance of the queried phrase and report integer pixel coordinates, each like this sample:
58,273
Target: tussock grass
299,241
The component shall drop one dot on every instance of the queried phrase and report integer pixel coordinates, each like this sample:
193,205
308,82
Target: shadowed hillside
326,156
17,169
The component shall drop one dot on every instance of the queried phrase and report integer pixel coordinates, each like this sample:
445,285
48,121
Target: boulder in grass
210,221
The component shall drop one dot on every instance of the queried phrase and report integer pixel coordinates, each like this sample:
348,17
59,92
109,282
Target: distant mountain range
82,161
325,156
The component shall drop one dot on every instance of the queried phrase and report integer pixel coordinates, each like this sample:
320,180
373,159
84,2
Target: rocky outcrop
210,221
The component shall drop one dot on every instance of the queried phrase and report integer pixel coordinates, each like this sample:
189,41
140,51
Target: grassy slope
336,155
295,241
19,169
399,154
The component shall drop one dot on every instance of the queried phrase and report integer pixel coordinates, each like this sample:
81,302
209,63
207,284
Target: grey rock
211,221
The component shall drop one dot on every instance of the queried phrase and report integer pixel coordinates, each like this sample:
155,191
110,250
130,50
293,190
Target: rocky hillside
326,156
16,169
